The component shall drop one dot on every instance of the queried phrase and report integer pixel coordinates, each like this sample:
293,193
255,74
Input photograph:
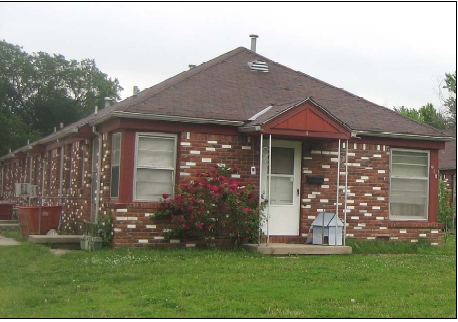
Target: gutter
355,133
171,118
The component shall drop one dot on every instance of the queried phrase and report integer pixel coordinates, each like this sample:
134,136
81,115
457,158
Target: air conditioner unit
22,189
32,193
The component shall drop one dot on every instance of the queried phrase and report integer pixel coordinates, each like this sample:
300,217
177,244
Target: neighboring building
244,109
447,165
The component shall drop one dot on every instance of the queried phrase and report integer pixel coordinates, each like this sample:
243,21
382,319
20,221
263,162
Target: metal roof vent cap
259,66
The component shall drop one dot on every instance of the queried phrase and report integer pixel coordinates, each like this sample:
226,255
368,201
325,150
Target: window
155,166
115,162
409,184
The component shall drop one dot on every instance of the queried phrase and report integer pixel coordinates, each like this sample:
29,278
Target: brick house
326,149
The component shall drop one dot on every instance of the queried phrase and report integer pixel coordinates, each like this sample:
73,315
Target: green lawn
191,283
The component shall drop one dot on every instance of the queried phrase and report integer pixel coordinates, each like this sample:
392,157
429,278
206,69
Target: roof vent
259,66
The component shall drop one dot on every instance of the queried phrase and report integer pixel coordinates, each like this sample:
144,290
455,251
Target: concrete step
278,249
9,225
57,241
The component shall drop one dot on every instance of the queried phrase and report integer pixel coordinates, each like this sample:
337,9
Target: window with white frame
115,163
409,184
155,166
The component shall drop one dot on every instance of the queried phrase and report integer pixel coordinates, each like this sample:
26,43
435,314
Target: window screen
155,166
115,163
409,184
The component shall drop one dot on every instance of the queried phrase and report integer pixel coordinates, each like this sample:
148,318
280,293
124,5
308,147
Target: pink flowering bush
213,206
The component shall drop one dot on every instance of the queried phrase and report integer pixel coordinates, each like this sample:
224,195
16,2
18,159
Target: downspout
337,197
30,173
269,184
3,174
99,171
346,194
260,186
43,181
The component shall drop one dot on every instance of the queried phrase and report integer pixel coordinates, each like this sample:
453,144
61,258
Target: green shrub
444,210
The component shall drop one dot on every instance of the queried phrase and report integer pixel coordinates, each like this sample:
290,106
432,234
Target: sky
392,54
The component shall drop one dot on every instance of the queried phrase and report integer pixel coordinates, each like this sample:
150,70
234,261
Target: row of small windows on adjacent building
155,162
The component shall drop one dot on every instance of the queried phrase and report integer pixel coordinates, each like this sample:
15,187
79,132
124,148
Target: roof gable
306,120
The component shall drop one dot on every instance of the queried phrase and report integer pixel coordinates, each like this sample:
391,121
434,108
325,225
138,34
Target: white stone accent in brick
306,207
368,214
305,200
434,231
357,227
121,218
225,146
306,171
365,177
190,245
350,194
326,179
325,152
380,218
184,167
235,175
380,198
334,153
210,149
359,180
351,207
184,174
334,159
376,207
212,142
403,231
368,195
206,160
143,241
355,164
350,235
383,228
131,226
380,171
414,240
311,217
324,200
351,154
364,158
151,226
422,235
434,244
350,201
117,230
377,155
132,218
394,238
186,143
307,158
158,237
194,152
166,230
368,168
174,241
315,152
325,166
376,188
316,193
246,147
121,210
354,217
370,238
325,186
147,214
311,196
361,224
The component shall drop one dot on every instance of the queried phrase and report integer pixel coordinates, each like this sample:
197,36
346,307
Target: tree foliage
426,114
39,91
450,102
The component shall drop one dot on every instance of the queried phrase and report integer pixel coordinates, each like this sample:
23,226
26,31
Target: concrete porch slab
278,249
60,241
9,225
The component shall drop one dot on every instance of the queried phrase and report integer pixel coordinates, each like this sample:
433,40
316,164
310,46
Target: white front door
285,182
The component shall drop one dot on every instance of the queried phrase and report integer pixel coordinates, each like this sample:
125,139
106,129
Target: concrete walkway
5,241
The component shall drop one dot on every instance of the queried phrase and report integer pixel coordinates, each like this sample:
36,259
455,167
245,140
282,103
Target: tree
426,114
450,102
41,91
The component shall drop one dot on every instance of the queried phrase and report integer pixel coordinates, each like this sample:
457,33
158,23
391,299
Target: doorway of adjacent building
285,183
